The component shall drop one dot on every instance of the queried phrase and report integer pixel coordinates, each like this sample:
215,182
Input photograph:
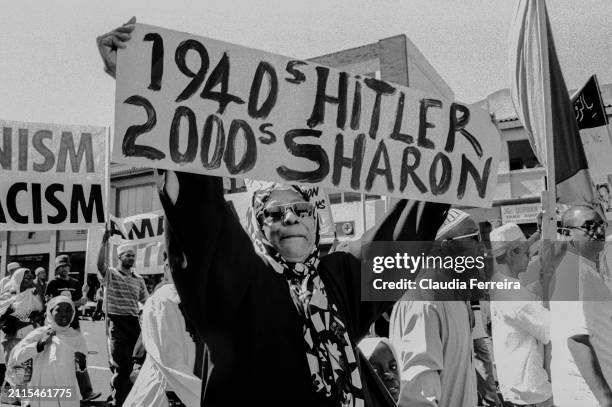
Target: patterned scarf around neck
330,352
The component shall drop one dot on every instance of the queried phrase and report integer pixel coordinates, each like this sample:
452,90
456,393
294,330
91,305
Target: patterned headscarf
330,353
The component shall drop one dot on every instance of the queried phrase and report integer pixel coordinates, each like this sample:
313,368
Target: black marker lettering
298,76
157,60
220,76
457,124
375,170
356,112
181,63
355,163
264,129
440,187
425,104
215,162
129,146
192,136
318,111
381,88
312,152
264,68
409,169
480,182
249,156
397,127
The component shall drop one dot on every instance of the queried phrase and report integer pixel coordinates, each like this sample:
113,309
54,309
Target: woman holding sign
280,322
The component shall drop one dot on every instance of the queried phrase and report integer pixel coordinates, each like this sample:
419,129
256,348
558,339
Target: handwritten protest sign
146,233
52,176
199,105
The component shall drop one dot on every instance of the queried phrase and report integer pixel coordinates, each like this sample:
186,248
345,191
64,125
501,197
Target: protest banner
199,105
594,128
146,232
94,241
53,176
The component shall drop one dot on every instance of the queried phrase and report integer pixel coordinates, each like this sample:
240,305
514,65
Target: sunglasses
275,213
596,230
471,236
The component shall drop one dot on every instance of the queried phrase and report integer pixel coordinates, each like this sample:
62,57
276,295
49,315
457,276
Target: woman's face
62,314
27,281
385,366
292,236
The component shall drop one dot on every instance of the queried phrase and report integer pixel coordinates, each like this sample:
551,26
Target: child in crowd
381,355
56,351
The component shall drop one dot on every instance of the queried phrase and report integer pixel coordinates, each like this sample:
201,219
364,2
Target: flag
531,87
594,128
595,134
588,105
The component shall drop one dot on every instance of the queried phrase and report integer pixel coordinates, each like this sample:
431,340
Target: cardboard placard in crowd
146,232
199,105
54,176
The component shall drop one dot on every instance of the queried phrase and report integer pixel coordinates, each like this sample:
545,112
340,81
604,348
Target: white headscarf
369,345
23,303
50,321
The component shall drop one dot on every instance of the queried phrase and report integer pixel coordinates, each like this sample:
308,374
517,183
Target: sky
50,70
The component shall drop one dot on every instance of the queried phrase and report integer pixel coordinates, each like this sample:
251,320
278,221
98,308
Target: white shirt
434,346
570,317
520,328
170,354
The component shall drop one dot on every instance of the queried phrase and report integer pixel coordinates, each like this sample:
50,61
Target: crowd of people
41,340
266,318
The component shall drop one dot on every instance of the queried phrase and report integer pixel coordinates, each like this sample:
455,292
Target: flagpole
549,199
549,196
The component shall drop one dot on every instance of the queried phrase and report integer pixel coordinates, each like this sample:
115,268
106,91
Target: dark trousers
83,379
98,314
485,380
123,334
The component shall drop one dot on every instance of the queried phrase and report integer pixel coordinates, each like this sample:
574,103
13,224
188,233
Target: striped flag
531,88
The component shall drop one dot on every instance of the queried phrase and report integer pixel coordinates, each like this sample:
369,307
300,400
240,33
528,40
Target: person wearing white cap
520,324
124,289
581,315
433,338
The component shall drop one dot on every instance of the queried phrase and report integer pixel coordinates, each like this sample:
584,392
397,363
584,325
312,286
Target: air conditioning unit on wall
345,228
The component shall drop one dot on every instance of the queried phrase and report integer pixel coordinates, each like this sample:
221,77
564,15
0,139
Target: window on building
340,197
137,199
233,185
521,155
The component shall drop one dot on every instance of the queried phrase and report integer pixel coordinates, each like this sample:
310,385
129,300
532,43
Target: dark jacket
243,310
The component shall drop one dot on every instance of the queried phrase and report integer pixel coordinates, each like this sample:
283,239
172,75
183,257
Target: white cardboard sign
52,176
199,105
